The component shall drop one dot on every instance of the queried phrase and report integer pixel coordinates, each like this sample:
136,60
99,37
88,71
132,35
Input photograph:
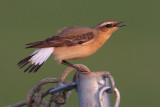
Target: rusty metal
111,81
70,69
106,89
93,90
88,85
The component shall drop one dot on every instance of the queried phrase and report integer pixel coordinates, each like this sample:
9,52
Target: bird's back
75,31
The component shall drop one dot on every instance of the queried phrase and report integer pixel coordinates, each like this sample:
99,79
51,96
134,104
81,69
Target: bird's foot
71,65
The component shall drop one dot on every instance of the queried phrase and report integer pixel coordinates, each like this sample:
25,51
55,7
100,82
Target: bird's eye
109,25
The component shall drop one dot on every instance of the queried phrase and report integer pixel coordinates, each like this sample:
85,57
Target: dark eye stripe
109,25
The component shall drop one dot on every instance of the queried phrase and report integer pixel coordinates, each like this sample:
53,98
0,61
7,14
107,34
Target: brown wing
67,37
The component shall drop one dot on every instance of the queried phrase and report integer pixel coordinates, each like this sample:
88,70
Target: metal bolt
101,81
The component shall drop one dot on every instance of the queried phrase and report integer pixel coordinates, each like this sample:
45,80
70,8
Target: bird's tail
36,59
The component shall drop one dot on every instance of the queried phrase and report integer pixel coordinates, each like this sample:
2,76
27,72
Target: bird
69,43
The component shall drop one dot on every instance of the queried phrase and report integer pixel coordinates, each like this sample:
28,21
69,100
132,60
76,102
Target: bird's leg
71,65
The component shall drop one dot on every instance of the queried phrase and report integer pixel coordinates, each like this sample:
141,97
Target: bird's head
108,27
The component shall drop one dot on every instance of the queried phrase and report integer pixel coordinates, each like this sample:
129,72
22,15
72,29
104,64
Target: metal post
88,86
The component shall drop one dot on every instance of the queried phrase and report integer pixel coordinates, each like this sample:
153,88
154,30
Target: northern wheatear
70,43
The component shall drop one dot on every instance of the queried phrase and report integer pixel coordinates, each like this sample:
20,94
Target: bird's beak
120,24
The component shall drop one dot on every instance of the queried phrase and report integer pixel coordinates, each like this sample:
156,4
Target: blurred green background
131,54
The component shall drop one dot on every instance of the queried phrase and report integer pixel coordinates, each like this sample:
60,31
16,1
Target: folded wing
67,37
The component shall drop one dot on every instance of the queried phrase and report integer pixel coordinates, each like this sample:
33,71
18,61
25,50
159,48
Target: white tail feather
40,55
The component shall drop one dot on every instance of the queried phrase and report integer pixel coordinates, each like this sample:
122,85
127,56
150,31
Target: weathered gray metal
88,86
108,88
